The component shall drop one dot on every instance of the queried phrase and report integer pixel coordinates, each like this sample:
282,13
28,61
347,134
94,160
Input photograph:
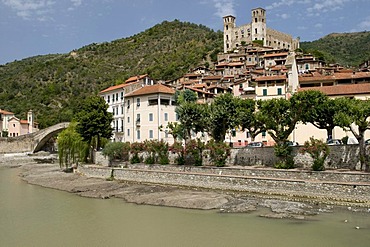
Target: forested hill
53,85
347,49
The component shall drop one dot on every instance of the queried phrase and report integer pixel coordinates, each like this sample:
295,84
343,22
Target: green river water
35,216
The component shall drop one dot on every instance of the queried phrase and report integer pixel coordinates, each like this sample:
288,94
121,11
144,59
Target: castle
255,31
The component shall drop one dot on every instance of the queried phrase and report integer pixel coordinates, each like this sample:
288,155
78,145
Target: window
264,92
138,118
255,30
138,134
113,98
279,91
108,100
116,96
122,125
122,110
151,134
151,117
166,117
128,104
263,134
153,102
128,119
128,132
121,95
165,101
117,111
138,101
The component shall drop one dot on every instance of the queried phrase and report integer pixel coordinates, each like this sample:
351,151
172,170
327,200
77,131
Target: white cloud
365,24
328,5
30,9
284,16
76,3
224,7
318,25
280,3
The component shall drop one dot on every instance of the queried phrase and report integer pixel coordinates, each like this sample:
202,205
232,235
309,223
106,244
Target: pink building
18,127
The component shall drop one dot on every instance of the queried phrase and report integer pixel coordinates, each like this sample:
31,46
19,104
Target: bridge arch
42,136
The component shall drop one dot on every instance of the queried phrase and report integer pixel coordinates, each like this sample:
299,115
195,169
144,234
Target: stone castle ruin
256,31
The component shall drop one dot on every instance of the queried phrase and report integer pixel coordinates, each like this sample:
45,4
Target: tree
280,118
354,115
192,116
94,122
116,150
317,109
249,118
71,147
224,115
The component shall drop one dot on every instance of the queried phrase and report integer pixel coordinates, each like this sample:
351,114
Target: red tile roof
135,78
271,78
153,89
120,86
335,76
349,89
6,112
276,55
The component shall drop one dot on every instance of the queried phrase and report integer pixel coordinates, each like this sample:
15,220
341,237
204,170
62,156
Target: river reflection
35,216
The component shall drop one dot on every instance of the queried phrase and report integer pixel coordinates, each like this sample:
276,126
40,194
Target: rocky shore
51,176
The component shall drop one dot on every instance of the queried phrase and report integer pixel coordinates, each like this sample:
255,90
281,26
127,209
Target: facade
257,30
5,116
18,127
148,111
115,98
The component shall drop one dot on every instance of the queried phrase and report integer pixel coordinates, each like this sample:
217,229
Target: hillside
347,49
53,85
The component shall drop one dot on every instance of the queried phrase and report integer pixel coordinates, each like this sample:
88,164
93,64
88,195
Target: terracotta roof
157,88
135,78
24,121
349,89
202,85
276,54
6,112
271,78
120,86
197,90
336,76
215,77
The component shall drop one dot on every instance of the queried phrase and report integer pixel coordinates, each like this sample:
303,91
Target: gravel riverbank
50,176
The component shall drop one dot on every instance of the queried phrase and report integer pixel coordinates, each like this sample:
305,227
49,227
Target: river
35,216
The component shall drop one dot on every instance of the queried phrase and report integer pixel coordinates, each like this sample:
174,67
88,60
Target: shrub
284,153
135,149
195,149
318,150
157,152
218,152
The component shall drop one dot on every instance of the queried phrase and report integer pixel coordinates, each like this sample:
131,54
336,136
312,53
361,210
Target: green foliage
53,85
71,147
224,115
180,151
347,49
135,149
218,152
157,152
283,151
318,150
258,42
116,151
195,149
249,118
94,121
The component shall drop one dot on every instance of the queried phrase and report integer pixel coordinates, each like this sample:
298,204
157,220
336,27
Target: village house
18,127
148,111
115,98
4,121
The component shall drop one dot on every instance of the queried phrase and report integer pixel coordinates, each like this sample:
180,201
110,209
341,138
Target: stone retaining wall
339,186
340,157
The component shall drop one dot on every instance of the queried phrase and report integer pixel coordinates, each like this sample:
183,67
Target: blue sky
38,27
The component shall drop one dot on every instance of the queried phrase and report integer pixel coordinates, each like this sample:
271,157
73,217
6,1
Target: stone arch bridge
30,143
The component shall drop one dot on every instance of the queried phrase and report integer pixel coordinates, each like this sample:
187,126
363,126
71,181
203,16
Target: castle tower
229,25
259,25
30,118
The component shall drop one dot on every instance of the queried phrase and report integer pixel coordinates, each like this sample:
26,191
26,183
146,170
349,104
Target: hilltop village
258,63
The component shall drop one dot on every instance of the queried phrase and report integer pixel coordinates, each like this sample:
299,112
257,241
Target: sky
38,27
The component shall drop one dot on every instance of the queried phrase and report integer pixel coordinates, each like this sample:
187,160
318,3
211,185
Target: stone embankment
331,187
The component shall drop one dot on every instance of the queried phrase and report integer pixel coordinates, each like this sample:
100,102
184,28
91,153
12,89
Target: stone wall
341,186
340,157
21,144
